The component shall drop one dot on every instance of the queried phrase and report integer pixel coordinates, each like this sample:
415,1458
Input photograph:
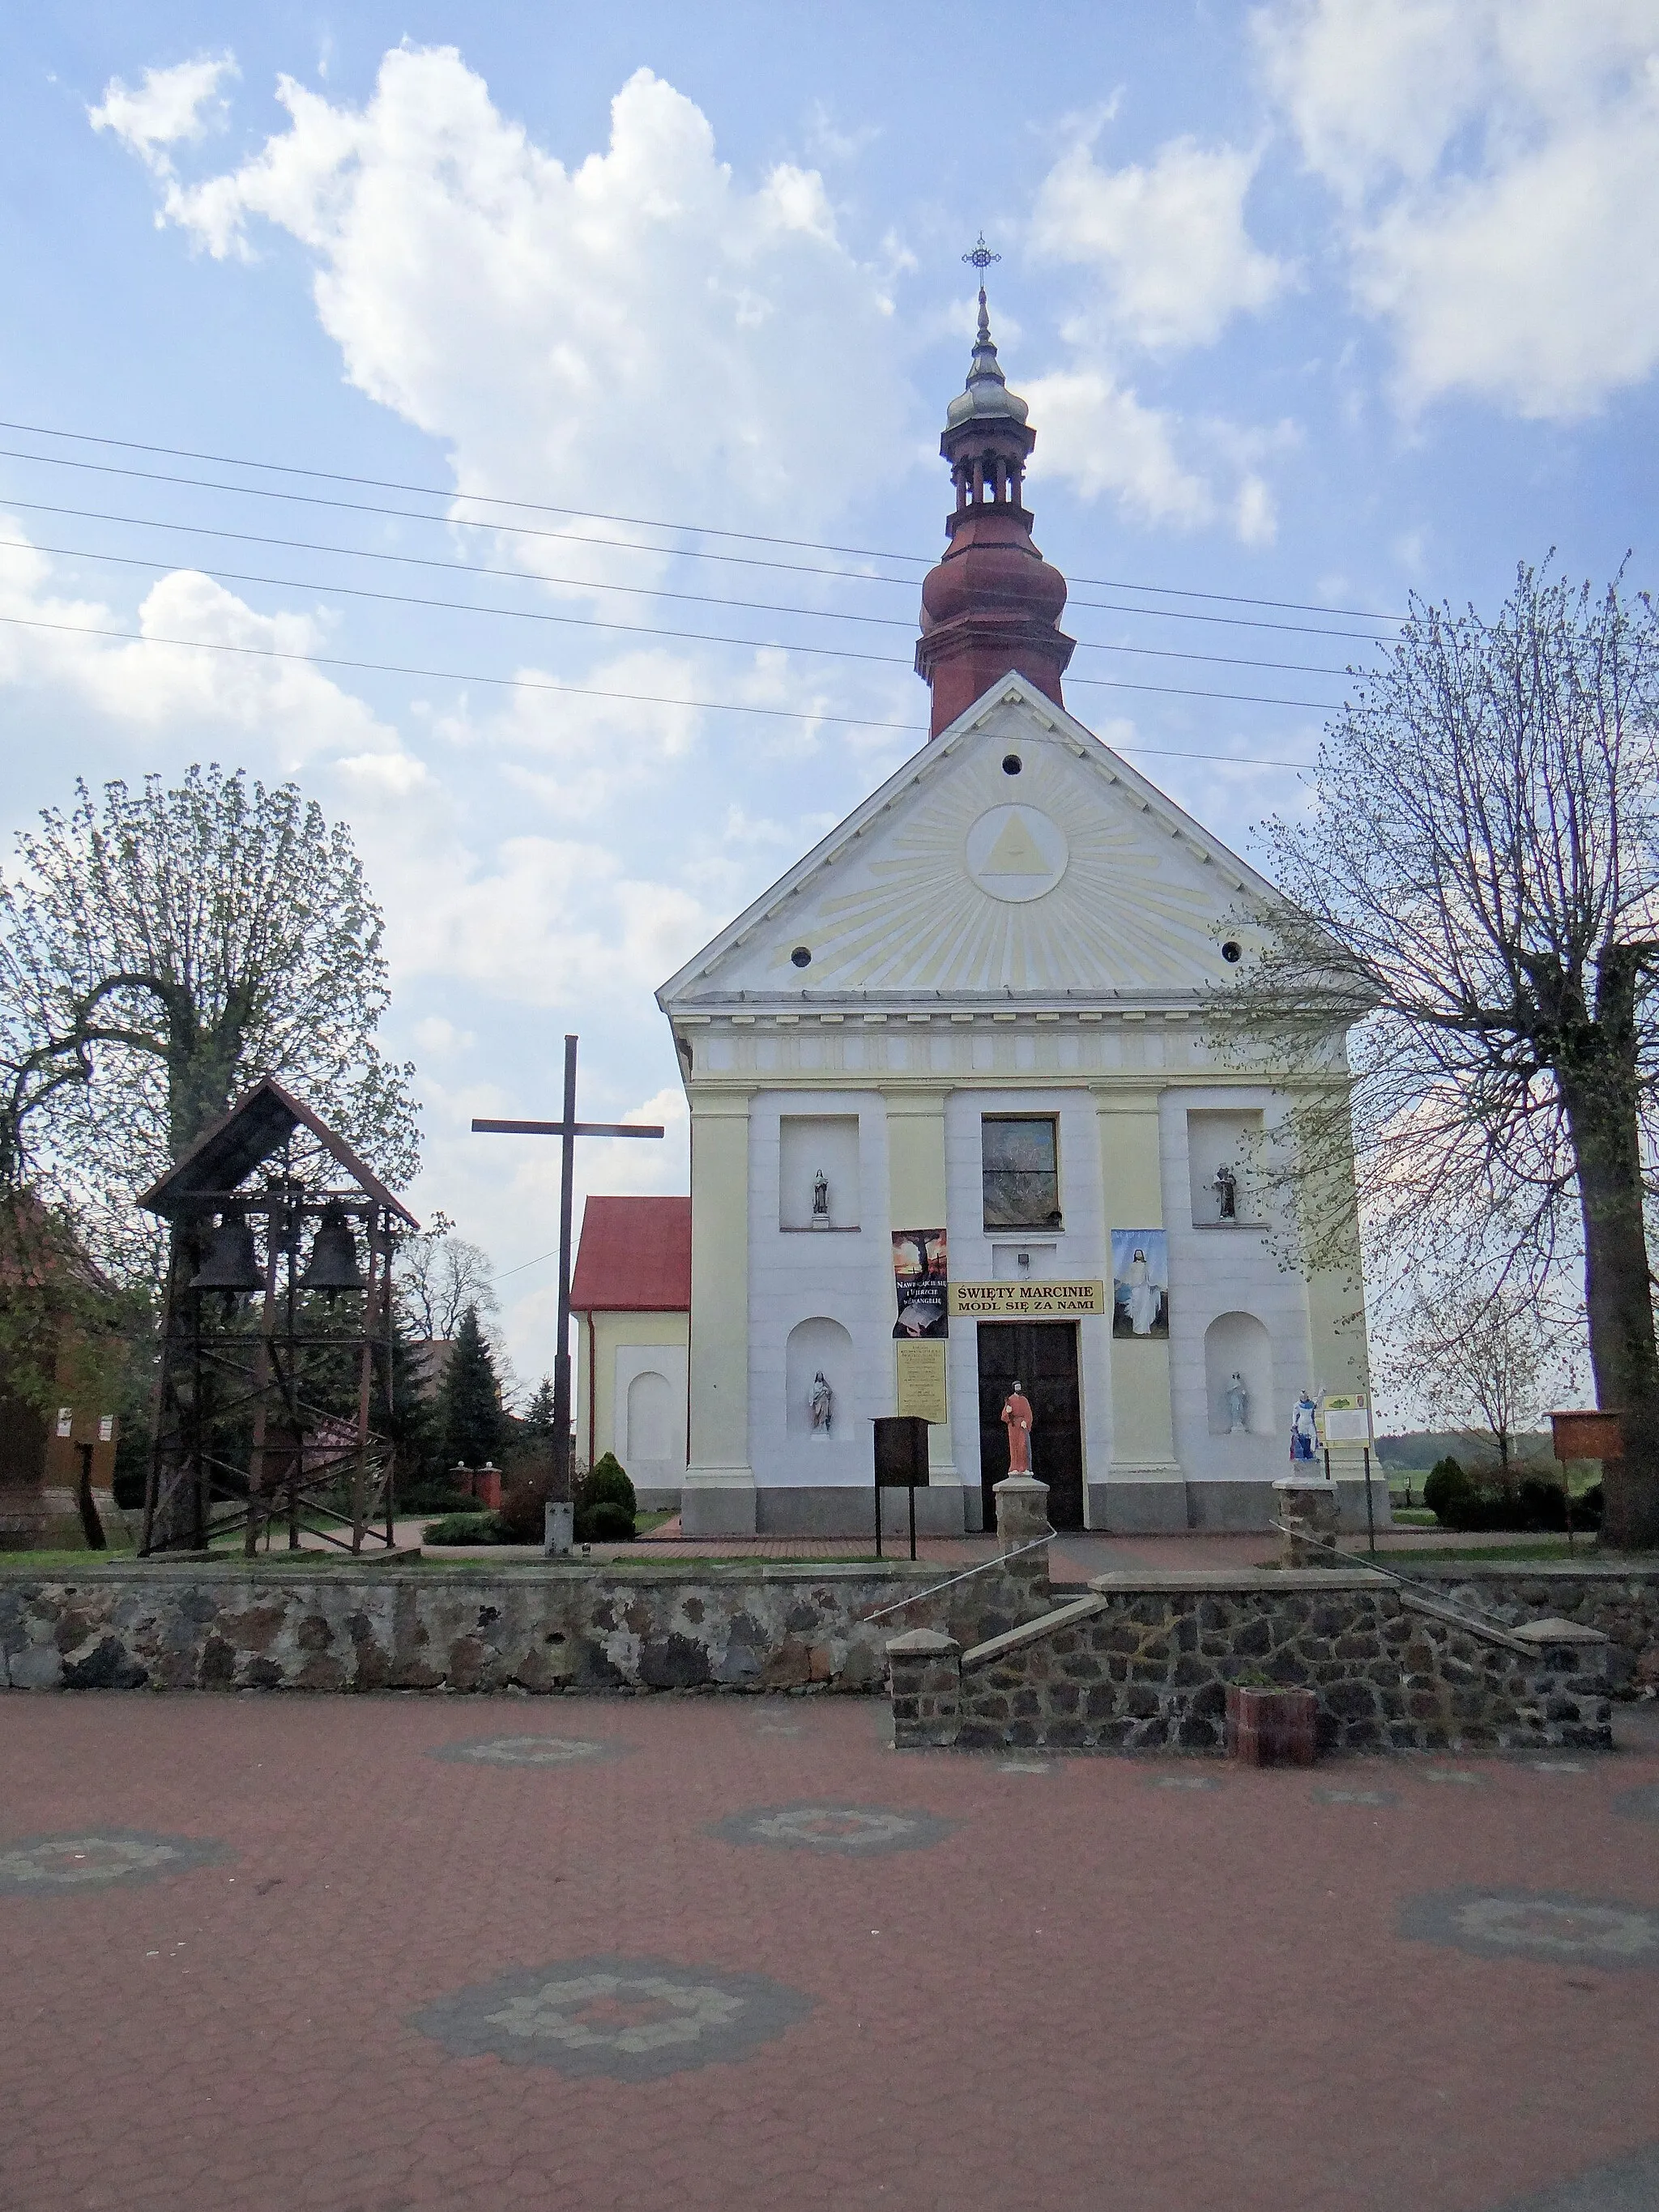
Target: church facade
956,1123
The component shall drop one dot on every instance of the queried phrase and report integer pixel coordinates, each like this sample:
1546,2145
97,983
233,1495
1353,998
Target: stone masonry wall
1149,1667
684,1626
1623,1602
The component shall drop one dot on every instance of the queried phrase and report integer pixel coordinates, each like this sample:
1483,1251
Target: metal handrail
1430,1598
983,1567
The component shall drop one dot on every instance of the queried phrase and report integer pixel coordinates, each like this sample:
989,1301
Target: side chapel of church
954,1124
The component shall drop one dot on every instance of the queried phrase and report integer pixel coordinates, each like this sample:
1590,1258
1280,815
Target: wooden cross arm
564,1128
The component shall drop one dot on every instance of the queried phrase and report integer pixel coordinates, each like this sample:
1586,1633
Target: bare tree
161,951
439,1277
1484,1364
1475,887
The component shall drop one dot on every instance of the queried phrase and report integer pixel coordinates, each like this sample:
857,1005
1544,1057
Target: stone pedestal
1308,1512
1022,1528
926,1672
558,1528
1571,1691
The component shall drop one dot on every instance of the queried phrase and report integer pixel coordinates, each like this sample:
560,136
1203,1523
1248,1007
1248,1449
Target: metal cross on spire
981,258
568,1129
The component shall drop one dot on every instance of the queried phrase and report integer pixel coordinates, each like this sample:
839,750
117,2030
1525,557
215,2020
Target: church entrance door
1042,1355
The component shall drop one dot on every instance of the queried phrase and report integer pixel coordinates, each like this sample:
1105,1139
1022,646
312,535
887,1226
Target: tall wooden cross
567,1129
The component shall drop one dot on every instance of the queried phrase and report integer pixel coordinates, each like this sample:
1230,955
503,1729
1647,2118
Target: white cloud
639,332
291,707
168,108
1497,162
1167,243
1105,440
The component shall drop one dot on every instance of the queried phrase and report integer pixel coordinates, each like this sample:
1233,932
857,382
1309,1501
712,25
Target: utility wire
640,630
641,522
648,699
645,591
667,552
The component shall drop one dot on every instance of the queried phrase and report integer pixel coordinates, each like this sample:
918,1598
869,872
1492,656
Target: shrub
524,1498
128,1488
605,1522
1446,1483
464,1528
606,1483
1586,1511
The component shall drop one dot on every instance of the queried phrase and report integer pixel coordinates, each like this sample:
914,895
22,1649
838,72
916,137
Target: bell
333,1254
231,1264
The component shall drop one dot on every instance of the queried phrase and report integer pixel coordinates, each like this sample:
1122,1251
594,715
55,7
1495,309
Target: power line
640,522
646,698
671,552
646,629
641,591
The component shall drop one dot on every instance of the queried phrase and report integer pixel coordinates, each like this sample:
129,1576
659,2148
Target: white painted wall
1220,1270
798,1275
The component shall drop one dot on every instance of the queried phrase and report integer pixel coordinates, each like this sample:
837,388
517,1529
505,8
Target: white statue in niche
1238,1404
820,1204
822,1406
1226,1188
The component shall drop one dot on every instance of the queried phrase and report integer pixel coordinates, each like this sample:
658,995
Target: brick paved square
1090,1988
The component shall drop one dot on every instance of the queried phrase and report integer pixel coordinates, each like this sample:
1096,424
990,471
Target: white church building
956,1122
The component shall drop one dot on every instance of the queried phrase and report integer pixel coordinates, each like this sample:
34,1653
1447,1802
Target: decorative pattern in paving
635,2020
1184,1782
1465,1775
530,1750
37,1864
1558,1767
1546,1925
1638,1804
1355,1796
859,1830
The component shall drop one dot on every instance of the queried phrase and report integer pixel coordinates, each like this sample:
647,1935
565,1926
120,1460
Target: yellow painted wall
1143,1431
720,1285
611,1331
915,1200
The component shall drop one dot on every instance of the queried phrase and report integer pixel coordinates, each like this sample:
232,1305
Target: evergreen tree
470,1402
538,1414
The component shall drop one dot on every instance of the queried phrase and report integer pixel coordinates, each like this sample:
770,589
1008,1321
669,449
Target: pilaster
719,1498
1144,1488
916,1186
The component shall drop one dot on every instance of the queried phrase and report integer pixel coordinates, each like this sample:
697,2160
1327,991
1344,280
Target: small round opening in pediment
1011,763
1233,950
803,959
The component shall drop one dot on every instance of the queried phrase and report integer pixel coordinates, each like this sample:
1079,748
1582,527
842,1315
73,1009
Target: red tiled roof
634,1256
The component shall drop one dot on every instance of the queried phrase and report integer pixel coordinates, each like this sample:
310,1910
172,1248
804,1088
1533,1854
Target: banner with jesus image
920,1278
1140,1282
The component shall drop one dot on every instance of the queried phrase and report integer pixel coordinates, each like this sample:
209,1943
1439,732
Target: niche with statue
818,1172
1238,1368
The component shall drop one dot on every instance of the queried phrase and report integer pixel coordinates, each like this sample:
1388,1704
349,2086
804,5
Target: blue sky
1322,301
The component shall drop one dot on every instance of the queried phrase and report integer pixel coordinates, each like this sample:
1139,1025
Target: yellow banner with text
1025,1301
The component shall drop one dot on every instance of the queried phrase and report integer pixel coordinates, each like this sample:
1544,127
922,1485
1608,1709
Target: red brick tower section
993,604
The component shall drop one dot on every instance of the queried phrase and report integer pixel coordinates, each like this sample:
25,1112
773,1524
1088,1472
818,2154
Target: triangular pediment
1015,855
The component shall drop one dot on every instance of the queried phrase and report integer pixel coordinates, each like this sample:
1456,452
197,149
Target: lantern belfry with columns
955,1124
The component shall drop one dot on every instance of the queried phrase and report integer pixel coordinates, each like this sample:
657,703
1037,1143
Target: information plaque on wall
919,1380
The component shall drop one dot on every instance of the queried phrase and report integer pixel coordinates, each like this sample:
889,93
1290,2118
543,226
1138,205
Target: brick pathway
762,1961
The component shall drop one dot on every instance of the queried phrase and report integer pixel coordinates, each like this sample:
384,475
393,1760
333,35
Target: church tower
957,1123
992,606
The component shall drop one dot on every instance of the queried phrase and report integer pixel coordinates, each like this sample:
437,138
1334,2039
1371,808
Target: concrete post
925,1670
